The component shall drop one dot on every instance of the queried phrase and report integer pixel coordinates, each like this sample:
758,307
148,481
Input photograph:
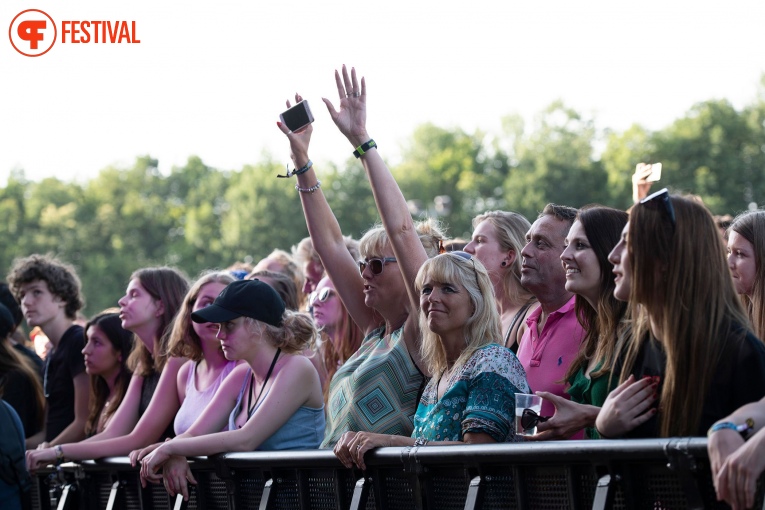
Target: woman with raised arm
690,335
471,397
458,317
498,237
106,352
746,260
387,368
589,275
153,297
279,403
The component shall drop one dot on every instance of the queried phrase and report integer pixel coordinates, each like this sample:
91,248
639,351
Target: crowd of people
627,324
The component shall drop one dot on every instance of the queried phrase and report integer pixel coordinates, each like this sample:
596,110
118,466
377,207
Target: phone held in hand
655,174
297,117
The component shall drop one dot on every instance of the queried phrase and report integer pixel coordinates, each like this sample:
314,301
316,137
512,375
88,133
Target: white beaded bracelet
312,189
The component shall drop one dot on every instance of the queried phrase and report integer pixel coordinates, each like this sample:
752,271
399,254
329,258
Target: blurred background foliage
199,217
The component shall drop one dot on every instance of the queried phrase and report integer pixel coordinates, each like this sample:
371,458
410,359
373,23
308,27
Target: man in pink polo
552,338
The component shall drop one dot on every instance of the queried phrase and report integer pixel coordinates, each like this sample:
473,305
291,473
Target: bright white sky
210,78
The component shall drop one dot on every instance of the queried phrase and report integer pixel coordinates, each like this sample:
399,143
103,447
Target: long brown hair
168,285
751,226
184,342
680,281
122,341
603,228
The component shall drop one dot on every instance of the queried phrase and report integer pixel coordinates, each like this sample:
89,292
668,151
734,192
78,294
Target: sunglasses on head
662,200
376,265
320,295
530,418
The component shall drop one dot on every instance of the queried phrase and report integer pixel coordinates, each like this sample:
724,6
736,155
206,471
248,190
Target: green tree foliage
554,162
199,217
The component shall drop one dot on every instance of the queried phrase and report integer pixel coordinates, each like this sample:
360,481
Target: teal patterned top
480,397
375,390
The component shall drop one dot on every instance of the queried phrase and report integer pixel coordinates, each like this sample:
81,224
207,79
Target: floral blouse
480,397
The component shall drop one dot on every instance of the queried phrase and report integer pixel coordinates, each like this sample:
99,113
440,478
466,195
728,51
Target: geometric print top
375,390
480,397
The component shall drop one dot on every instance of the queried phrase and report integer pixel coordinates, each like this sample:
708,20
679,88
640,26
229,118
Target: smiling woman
746,261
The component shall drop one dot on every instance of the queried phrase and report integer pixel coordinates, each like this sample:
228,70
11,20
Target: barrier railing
623,474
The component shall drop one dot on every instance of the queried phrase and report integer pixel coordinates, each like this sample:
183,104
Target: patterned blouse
375,390
480,397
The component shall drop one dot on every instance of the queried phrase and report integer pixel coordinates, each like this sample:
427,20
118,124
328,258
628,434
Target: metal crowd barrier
621,474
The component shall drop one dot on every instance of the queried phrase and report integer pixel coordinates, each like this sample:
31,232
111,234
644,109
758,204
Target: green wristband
364,148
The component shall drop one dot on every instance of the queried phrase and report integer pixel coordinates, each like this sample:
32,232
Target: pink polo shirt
546,357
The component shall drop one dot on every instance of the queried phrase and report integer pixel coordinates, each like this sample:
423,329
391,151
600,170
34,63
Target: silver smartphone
297,117
655,174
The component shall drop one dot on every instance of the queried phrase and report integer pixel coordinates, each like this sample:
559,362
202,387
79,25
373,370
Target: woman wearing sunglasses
377,388
458,316
691,359
340,337
471,397
589,275
497,240
746,260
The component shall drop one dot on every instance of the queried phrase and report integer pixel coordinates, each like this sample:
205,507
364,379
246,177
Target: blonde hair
296,334
184,341
482,328
510,228
751,226
430,232
680,280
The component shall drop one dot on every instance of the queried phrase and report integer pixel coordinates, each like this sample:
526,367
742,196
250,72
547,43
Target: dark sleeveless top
148,387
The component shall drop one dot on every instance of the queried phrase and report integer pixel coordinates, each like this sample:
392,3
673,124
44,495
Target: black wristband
364,148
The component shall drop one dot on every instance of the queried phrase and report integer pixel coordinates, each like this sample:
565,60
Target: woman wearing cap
278,407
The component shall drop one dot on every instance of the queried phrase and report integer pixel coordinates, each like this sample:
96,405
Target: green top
584,390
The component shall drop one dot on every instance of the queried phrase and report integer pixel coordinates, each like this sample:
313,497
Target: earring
504,264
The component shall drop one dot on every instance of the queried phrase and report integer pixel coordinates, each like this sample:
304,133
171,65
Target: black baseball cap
244,298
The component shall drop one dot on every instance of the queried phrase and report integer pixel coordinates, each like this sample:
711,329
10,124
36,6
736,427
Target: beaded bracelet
312,189
420,441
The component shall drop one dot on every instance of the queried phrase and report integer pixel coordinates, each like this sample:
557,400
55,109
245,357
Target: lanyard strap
250,407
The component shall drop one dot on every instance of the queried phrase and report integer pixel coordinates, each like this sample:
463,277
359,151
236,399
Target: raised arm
391,204
326,236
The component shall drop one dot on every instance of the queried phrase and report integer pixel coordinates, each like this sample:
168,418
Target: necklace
251,406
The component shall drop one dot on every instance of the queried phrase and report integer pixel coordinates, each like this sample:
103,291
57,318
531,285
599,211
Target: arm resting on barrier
164,404
352,446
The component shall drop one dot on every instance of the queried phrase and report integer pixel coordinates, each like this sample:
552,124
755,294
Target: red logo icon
32,33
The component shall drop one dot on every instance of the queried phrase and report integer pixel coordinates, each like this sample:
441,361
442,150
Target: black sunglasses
530,418
662,199
376,265
320,295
